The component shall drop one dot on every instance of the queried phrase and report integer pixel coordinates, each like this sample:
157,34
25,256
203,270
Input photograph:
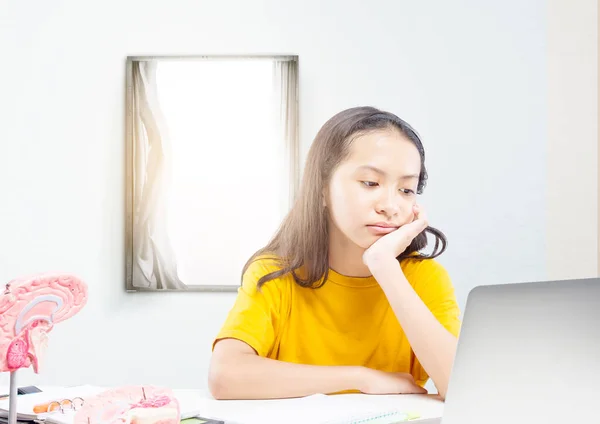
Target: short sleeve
254,317
434,287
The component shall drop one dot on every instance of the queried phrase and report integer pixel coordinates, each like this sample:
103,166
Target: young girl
341,299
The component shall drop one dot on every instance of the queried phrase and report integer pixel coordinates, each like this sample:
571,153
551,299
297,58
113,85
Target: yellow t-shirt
347,321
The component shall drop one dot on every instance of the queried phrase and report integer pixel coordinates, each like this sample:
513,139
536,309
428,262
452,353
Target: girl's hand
377,382
393,244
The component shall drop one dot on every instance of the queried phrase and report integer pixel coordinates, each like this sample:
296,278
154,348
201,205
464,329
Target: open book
326,409
188,404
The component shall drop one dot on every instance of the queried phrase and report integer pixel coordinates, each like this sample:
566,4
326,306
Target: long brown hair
302,240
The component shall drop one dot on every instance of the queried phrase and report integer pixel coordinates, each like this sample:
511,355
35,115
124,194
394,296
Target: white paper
320,409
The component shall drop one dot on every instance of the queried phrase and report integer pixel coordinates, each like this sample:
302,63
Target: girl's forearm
432,343
249,376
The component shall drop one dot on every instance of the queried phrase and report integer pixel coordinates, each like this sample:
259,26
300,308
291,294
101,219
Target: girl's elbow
218,383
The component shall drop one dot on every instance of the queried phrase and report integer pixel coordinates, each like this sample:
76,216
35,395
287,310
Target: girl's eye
369,183
407,191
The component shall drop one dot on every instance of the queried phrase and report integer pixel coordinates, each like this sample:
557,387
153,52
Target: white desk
302,410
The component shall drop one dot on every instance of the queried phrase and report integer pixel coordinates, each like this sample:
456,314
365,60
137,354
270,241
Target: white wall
572,185
471,76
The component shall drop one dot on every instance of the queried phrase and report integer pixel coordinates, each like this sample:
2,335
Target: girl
341,299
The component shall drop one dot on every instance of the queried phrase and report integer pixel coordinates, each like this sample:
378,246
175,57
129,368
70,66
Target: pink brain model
29,308
130,405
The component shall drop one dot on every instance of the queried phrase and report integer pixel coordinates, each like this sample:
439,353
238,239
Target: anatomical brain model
29,308
131,405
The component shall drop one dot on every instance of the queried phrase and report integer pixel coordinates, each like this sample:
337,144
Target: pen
408,416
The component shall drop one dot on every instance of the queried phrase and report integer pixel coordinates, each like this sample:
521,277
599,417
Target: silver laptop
528,353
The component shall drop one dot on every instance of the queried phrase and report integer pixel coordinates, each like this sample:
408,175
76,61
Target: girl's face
372,192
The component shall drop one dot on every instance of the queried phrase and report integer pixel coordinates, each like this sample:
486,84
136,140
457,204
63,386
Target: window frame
293,159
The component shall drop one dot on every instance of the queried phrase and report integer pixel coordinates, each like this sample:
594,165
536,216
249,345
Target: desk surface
303,410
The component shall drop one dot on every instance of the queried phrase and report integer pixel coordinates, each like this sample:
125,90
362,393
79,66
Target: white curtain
154,262
285,79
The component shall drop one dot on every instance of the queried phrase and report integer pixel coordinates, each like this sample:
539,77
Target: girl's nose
388,204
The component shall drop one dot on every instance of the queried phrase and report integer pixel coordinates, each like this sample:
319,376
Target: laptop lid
528,353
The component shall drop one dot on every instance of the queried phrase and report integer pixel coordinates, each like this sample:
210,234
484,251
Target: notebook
26,403
326,409
188,403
